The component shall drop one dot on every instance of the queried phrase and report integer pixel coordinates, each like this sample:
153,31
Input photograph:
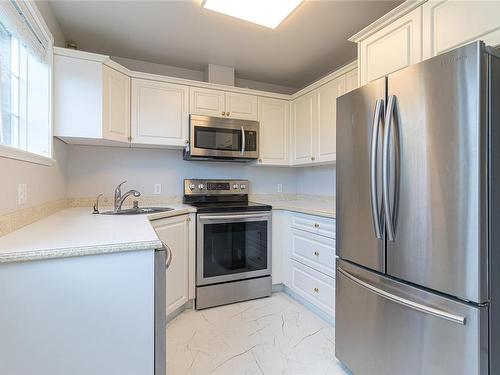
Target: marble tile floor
274,335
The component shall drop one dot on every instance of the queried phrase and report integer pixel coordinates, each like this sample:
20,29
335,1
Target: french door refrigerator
418,219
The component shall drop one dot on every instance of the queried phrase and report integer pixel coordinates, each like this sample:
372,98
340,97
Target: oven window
217,138
231,248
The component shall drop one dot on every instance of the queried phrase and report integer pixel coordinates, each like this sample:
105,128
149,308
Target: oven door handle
232,217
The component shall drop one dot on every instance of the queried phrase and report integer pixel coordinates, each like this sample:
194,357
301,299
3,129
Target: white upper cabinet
274,118
391,48
449,24
206,102
91,100
241,106
304,117
327,119
159,113
116,105
351,80
219,103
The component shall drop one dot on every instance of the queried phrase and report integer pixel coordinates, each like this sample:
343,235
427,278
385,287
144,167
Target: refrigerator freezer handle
403,301
377,118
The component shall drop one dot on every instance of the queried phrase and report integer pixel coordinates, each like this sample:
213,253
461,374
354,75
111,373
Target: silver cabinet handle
242,140
391,104
169,255
405,302
377,117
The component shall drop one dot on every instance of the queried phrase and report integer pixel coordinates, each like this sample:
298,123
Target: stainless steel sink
138,210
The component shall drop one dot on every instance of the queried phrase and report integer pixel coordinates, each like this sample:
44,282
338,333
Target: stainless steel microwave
214,138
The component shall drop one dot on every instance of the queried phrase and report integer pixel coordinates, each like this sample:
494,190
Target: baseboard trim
189,305
326,317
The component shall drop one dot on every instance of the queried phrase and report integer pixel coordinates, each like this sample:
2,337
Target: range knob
243,186
201,186
192,186
235,186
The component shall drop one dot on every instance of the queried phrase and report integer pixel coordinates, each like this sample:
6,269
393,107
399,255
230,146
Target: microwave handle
242,140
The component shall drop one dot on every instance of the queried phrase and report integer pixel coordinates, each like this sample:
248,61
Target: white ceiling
307,45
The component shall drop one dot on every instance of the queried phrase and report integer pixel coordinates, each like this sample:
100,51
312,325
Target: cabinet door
394,47
327,119
450,24
351,80
274,121
116,105
159,113
241,106
302,129
174,232
206,102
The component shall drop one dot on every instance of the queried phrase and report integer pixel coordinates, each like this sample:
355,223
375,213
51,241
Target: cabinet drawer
314,286
315,251
315,224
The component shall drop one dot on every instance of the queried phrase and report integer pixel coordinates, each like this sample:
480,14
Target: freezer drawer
385,327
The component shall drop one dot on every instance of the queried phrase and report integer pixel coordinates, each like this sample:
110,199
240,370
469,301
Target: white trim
330,77
386,19
82,55
16,154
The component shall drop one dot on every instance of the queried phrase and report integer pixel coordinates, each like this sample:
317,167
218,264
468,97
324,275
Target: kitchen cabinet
304,117
177,233
327,118
274,119
449,24
351,80
393,47
210,102
159,113
91,100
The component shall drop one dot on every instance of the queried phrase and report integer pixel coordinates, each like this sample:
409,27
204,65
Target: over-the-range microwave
214,138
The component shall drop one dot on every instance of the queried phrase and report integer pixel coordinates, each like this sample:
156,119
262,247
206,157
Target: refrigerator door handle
377,118
391,105
405,302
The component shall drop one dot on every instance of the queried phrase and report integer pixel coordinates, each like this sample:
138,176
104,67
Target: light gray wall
197,75
94,170
44,183
318,180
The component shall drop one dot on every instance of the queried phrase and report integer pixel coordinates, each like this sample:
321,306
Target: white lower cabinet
178,234
315,287
309,259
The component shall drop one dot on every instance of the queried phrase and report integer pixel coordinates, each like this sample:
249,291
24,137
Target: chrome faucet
119,198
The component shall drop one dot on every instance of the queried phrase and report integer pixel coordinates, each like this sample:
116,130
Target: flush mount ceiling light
269,13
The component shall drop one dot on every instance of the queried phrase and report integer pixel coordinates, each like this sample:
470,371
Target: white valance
20,19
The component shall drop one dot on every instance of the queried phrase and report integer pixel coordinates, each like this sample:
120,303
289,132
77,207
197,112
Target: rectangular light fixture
269,13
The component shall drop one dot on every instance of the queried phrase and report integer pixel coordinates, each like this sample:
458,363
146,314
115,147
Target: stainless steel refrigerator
418,219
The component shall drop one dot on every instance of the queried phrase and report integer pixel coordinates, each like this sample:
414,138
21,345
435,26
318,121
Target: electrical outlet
279,188
22,194
157,189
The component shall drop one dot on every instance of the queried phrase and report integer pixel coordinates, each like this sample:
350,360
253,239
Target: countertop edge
27,256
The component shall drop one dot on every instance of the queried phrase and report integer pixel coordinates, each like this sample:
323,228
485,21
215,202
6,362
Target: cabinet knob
313,158
316,253
316,225
316,290
260,160
223,113
186,141
227,114
188,219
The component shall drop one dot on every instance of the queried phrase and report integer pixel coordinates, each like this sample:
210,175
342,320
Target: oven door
223,138
233,246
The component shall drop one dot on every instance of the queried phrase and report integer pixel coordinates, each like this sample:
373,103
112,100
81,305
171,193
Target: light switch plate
22,194
279,188
157,189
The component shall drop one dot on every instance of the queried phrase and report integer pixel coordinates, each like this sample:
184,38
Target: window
25,82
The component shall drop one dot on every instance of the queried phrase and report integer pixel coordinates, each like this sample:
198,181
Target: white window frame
27,156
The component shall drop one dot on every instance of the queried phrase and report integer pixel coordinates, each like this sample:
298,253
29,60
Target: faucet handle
96,204
118,188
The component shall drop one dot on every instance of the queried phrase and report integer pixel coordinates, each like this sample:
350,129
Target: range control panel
215,187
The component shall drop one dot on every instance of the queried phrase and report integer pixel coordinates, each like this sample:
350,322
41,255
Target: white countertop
76,232
306,206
